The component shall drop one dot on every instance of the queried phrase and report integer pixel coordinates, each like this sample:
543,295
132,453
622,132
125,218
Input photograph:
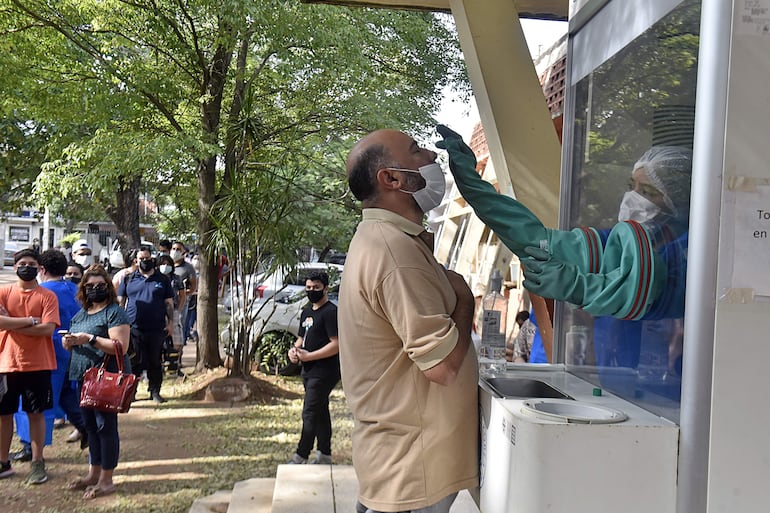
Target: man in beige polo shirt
409,369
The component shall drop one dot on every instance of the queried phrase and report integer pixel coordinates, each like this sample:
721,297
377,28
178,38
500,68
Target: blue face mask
430,196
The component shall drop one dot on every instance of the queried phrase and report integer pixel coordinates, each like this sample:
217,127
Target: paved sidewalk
7,275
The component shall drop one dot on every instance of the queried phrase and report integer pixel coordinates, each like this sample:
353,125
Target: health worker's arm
621,278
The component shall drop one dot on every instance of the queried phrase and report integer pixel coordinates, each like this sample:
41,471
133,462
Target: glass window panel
643,96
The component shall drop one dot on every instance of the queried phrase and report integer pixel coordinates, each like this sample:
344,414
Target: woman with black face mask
74,272
92,332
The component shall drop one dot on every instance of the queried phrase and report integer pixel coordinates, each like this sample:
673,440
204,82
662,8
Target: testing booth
659,410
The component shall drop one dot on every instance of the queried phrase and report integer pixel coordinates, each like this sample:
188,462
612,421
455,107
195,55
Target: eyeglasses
95,286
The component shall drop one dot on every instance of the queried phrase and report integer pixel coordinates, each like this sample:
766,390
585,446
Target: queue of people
57,320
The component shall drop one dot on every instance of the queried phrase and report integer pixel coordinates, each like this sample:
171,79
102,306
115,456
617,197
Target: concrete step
216,503
300,489
252,496
464,503
303,488
345,488
330,488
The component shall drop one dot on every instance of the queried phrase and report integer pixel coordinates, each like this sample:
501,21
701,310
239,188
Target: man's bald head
367,156
384,150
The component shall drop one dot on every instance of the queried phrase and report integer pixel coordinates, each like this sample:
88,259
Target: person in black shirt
317,347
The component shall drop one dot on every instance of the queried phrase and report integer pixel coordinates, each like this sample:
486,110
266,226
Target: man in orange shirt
29,314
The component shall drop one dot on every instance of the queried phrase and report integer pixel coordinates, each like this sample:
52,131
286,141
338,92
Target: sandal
78,484
94,491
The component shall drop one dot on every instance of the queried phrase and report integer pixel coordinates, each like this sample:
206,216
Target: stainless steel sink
523,387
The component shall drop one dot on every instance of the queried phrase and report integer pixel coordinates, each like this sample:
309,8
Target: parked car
113,258
277,316
276,281
11,247
336,258
265,285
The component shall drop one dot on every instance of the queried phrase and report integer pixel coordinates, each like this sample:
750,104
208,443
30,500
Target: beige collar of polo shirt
404,224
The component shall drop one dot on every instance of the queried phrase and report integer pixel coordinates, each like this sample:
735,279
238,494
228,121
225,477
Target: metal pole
700,309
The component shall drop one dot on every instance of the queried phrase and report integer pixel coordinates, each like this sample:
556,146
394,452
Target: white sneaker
74,437
321,459
296,459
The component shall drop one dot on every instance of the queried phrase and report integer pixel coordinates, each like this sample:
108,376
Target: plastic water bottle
494,314
577,342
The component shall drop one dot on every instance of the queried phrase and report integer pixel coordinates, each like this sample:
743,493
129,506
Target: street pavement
7,275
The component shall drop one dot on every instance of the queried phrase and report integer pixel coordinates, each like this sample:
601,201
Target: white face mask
636,207
166,269
430,196
176,255
84,260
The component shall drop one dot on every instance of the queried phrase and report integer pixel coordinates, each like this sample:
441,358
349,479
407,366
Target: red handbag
107,391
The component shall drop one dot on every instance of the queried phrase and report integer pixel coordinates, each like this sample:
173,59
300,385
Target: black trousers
149,355
316,419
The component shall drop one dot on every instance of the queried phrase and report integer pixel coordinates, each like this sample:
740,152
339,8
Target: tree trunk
208,284
324,252
125,212
208,281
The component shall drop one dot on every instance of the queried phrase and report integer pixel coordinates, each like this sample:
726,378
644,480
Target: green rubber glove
551,278
516,226
624,288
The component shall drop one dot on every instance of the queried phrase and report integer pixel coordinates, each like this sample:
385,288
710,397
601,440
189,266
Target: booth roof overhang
535,9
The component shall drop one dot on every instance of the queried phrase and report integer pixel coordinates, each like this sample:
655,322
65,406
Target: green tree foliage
22,151
194,93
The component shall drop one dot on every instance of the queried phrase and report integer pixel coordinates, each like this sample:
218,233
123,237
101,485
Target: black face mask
146,265
26,272
97,295
314,296
75,279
